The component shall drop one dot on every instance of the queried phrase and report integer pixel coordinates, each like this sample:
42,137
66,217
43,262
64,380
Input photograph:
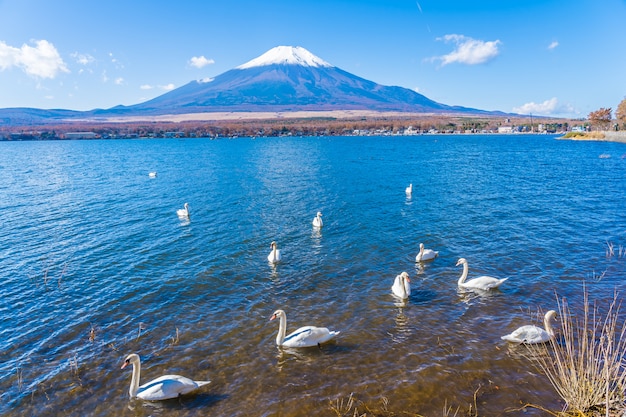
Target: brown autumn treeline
323,126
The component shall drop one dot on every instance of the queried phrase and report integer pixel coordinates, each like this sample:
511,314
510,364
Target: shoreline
600,136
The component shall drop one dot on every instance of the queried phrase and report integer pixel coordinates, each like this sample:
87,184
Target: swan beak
273,317
125,363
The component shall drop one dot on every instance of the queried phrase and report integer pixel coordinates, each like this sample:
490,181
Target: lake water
95,264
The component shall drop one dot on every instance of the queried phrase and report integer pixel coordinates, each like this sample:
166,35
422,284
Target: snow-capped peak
291,55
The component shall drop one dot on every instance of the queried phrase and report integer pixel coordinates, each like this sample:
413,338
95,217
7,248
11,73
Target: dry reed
585,364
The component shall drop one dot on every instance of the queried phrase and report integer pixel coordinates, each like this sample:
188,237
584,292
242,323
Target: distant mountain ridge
283,79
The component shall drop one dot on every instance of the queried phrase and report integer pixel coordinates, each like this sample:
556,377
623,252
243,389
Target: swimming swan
531,334
401,287
274,255
481,283
409,189
306,336
425,254
183,212
152,174
162,388
317,220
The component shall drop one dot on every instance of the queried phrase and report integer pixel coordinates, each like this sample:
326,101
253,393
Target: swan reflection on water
316,234
467,295
401,330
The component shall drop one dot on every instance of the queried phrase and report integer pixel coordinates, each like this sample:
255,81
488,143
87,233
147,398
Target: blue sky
560,58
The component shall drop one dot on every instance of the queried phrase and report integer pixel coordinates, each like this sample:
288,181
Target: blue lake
95,264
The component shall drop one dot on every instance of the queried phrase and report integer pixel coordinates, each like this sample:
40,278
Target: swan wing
427,255
168,386
527,334
484,283
271,258
309,336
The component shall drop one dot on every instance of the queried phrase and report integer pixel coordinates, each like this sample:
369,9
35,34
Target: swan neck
282,330
548,325
134,381
404,291
464,274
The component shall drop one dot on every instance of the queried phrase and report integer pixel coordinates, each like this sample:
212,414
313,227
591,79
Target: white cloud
548,107
468,50
41,61
83,59
200,61
165,87
553,45
119,81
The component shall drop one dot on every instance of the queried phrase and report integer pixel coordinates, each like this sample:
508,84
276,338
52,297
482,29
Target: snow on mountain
291,55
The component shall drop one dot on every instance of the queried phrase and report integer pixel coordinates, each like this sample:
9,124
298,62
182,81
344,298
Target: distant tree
601,118
620,114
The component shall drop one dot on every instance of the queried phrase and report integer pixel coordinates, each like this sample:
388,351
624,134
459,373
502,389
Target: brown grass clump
585,363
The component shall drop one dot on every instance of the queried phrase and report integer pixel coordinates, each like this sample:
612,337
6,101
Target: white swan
183,212
306,336
161,388
481,283
401,287
425,254
317,220
409,189
152,174
274,255
531,334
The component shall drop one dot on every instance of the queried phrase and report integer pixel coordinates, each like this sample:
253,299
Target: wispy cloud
468,50
83,59
41,61
115,61
553,45
165,87
548,107
200,61
119,81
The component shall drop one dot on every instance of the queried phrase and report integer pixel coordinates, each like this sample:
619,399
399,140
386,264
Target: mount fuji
287,78
284,79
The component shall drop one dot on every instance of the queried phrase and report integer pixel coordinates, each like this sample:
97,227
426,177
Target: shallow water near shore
96,264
